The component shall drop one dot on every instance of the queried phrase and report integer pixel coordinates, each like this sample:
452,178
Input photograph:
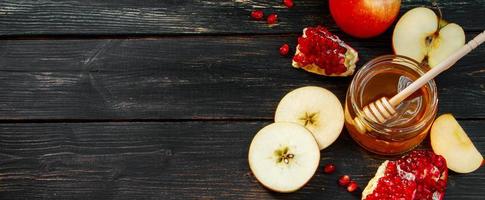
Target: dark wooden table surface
159,99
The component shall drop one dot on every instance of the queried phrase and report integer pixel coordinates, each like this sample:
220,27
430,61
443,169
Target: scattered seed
329,168
352,186
344,180
284,49
288,3
257,15
272,18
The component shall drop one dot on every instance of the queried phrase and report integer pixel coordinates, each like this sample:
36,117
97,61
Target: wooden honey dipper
383,109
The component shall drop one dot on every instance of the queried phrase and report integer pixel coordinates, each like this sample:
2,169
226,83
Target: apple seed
283,155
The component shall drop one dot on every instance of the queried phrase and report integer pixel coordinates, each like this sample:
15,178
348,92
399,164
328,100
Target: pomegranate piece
272,19
284,49
321,52
329,168
288,3
419,175
344,180
257,14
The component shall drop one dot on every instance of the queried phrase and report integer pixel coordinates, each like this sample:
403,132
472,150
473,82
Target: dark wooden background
159,99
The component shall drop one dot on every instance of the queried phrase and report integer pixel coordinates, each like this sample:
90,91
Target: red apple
364,18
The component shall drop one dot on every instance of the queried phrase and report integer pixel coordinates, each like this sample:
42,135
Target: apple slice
283,156
450,140
315,108
420,34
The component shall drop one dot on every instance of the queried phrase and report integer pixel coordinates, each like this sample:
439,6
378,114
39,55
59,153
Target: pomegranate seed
344,180
284,49
272,18
352,186
298,58
288,3
257,14
329,168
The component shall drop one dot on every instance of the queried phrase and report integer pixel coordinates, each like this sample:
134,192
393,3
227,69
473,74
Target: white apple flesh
283,156
418,35
450,39
450,140
315,108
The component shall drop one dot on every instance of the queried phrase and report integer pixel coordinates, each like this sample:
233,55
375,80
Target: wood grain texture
168,17
173,160
185,78
213,89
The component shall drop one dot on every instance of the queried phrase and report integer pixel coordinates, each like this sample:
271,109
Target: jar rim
382,128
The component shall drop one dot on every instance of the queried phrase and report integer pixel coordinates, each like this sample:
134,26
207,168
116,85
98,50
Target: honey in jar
385,76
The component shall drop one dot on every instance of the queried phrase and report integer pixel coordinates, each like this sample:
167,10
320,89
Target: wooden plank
133,17
187,160
184,78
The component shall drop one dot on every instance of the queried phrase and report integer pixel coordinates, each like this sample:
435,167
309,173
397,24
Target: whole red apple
364,18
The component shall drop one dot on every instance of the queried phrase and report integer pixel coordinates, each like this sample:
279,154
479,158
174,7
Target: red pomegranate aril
288,3
329,168
257,15
344,180
272,18
352,186
298,58
341,60
320,61
284,49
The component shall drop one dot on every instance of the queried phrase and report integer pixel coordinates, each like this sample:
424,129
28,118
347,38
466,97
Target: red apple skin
364,18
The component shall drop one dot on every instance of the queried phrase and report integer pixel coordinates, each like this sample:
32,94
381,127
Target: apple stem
437,7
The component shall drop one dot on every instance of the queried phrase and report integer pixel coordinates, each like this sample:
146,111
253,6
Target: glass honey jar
385,76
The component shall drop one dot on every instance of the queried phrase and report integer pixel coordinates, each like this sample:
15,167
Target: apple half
283,156
315,108
450,140
422,36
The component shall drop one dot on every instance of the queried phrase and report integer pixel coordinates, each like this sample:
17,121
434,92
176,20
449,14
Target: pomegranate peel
320,52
